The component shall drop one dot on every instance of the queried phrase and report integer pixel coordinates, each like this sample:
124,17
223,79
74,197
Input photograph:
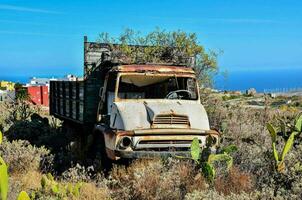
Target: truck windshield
157,87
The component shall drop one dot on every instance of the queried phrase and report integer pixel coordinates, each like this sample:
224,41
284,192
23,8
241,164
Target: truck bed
67,100
75,101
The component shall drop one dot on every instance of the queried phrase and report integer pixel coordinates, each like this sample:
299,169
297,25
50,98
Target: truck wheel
99,152
77,139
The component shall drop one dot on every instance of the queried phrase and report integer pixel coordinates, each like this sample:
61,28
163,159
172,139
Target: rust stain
213,132
124,133
154,68
110,153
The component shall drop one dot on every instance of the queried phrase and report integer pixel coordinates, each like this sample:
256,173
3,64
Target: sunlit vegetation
246,166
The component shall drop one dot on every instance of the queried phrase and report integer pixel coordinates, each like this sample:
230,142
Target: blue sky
44,38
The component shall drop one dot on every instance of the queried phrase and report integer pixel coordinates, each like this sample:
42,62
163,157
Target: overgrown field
42,161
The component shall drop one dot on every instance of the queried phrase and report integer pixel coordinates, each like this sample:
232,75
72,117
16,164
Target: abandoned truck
132,110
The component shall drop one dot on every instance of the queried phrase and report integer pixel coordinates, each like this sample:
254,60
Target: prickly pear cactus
3,176
296,130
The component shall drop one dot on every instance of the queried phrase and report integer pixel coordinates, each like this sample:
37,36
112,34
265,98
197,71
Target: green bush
4,179
163,46
21,157
230,97
38,132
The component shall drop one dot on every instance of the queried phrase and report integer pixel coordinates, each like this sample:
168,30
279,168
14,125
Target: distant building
39,81
7,85
7,96
45,81
71,77
38,94
38,89
251,92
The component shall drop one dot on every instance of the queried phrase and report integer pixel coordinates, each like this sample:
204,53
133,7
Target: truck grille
171,119
168,145
166,142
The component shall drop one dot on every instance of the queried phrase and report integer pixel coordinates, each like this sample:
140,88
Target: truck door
107,97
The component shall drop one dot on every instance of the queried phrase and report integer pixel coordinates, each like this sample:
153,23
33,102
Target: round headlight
125,142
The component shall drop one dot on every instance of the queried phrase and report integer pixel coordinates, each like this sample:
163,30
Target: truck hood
134,115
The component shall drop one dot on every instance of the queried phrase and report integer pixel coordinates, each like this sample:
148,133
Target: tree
165,46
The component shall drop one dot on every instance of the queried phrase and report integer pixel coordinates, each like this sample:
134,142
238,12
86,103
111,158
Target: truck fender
101,132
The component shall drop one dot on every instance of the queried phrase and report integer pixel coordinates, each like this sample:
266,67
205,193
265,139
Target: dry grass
28,181
234,182
31,181
89,191
156,179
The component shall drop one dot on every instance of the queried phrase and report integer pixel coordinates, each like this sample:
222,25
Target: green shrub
230,97
38,132
21,157
4,179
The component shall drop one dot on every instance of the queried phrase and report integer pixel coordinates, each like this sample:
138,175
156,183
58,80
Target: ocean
19,79
261,80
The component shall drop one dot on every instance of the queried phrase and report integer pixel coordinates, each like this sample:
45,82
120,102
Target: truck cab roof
155,68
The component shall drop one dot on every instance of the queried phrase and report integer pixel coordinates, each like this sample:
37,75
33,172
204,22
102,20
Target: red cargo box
38,95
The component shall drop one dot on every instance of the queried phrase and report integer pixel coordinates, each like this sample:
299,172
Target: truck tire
76,138
99,152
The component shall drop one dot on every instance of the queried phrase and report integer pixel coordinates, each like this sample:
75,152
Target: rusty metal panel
155,68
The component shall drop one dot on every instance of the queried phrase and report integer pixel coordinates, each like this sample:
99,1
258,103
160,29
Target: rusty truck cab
151,110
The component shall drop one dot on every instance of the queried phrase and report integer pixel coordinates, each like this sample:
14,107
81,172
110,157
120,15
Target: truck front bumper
152,154
157,143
